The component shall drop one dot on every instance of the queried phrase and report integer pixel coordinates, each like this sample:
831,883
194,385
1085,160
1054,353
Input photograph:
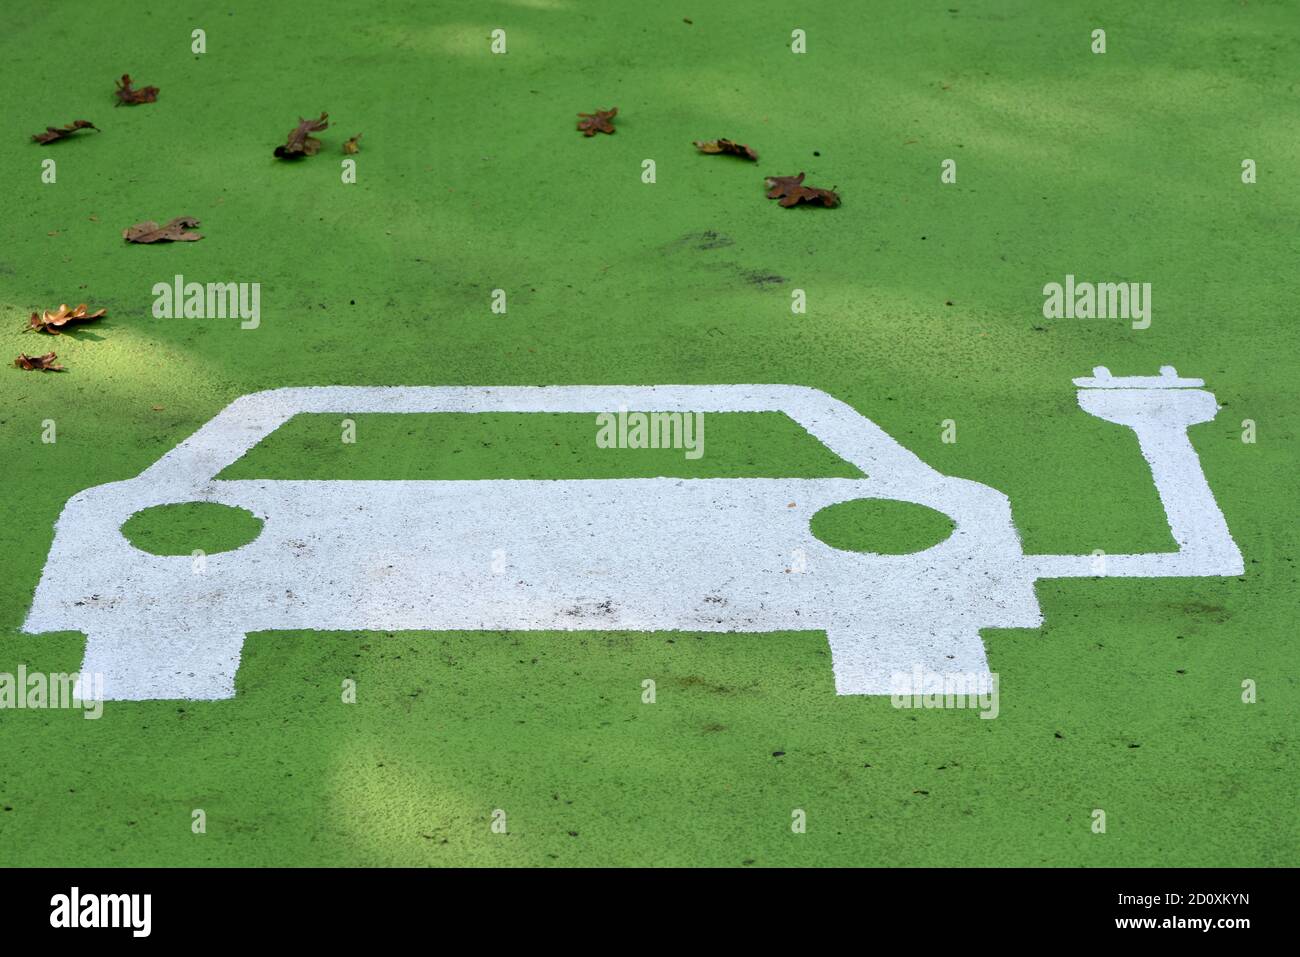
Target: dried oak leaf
726,146
791,191
53,133
125,94
300,143
602,121
352,146
175,231
53,322
43,363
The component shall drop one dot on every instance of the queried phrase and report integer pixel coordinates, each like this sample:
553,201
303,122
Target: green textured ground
1121,166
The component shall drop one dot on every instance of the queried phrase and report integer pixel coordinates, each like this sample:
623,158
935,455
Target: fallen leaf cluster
787,190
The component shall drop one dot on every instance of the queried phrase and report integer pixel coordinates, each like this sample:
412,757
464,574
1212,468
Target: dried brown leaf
125,94
352,146
53,322
300,142
790,191
43,363
53,133
175,231
602,121
726,146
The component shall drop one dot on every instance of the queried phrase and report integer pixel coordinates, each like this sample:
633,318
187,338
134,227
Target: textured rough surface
1122,166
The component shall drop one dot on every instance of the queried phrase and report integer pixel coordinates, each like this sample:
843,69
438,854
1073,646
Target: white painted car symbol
696,555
